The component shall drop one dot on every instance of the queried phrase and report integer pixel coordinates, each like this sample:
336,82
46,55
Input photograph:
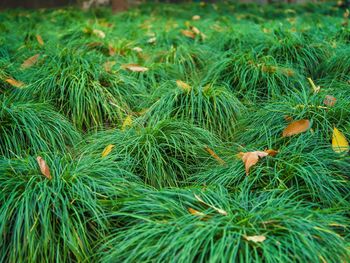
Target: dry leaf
215,156
99,33
127,122
188,33
251,158
196,17
40,40
183,85
339,142
15,83
296,127
315,88
152,40
108,65
111,50
329,100
44,168
288,118
271,152
134,67
255,239
137,49
220,211
195,30
30,61
107,150
195,212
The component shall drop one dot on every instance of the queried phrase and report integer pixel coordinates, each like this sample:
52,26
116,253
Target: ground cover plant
194,132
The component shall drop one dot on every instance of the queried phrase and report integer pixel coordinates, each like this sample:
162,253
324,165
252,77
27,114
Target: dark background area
34,3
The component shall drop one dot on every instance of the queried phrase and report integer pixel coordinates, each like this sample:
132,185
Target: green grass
247,72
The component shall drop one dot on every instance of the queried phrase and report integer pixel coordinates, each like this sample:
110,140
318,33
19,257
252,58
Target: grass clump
160,227
59,219
163,154
32,127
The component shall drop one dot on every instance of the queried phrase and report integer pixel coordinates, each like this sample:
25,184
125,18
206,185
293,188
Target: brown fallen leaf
40,40
44,168
111,50
195,30
329,100
296,127
107,150
288,118
251,158
215,156
188,33
30,61
15,83
183,85
219,210
271,152
134,67
255,239
108,65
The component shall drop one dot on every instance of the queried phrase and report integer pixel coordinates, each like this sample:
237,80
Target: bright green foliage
128,150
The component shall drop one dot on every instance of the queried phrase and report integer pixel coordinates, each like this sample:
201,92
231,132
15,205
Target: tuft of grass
163,154
210,107
30,127
59,219
159,227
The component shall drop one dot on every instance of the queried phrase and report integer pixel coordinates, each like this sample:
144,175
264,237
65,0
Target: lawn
191,132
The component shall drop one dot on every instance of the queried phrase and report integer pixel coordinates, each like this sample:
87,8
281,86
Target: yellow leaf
296,127
215,156
196,17
183,85
134,67
255,239
44,168
315,88
30,61
107,150
339,142
15,83
127,122
40,40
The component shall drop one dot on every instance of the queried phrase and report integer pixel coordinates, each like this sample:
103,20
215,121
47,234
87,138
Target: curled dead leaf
215,156
44,168
255,239
134,67
111,50
296,127
251,158
107,150
271,152
30,61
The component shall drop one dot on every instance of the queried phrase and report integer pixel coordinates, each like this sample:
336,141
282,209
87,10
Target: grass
130,152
